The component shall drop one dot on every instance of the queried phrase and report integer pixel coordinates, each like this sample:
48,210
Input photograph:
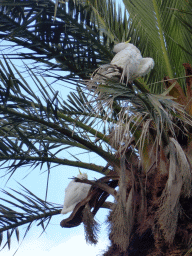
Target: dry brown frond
178,183
101,74
91,227
121,227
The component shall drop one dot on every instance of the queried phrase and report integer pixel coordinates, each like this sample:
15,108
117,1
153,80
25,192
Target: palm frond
112,21
184,15
158,33
72,38
144,137
18,209
36,128
144,117
178,183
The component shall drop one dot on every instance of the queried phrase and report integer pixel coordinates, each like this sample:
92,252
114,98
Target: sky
54,244
56,239
45,246
69,246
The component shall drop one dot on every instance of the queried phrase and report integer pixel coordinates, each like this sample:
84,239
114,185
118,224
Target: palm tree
142,130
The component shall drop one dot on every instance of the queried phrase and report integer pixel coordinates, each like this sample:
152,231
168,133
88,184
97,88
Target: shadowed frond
37,127
160,33
184,14
72,39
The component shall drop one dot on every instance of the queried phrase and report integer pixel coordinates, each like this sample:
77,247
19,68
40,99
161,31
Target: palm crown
145,136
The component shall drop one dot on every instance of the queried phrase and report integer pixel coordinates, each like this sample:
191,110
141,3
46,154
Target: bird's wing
146,64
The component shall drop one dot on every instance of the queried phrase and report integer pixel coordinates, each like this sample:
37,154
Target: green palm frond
110,18
36,128
184,15
23,208
155,29
84,38
72,39
158,33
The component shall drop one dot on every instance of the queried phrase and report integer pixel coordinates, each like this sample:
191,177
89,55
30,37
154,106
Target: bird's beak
80,172
128,40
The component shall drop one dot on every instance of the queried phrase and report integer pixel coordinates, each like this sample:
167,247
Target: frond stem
105,155
84,165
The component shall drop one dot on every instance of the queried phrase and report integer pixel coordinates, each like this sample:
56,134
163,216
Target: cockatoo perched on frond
129,58
127,63
75,193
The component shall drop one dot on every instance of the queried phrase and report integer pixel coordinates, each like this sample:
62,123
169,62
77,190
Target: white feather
75,193
129,58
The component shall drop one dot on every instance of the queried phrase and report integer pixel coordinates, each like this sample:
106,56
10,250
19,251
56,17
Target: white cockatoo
129,59
75,192
127,63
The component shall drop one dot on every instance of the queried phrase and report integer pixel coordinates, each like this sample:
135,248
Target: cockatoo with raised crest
75,193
